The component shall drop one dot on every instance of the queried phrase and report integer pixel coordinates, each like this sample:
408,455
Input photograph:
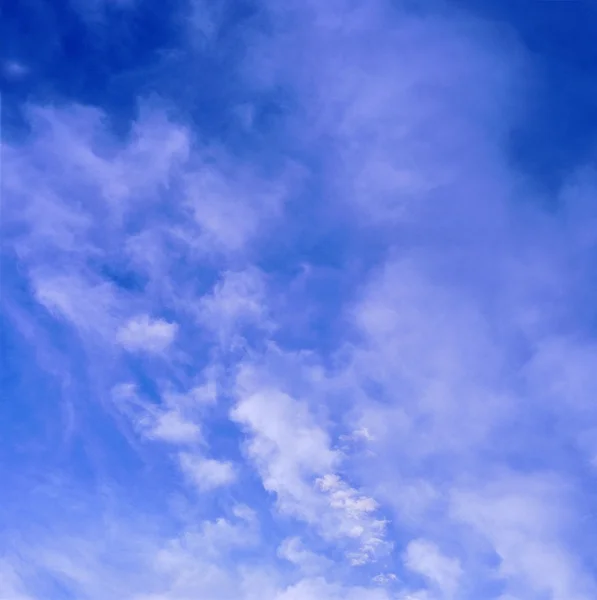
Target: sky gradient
298,300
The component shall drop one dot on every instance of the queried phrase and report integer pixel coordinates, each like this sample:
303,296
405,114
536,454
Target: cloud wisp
327,340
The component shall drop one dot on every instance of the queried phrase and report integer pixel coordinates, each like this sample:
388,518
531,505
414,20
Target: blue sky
298,300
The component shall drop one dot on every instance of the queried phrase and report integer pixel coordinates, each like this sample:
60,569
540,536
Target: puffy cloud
144,334
355,510
296,461
170,426
206,473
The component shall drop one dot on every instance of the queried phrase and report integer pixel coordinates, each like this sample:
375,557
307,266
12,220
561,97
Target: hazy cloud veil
296,303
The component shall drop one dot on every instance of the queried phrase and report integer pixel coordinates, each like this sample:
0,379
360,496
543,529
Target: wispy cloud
444,573
319,328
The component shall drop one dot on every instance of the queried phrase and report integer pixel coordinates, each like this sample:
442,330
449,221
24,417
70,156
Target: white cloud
385,579
296,461
358,435
430,350
176,422
522,518
439,360
225,223
203,395
144,334
207,474
288,447
238,299
399,137
424,557
116,175
343,497
320,589
231,205
68,214
11,587
172,427
170,422
357,522
65,210
116,559
90,306
213,539
295,551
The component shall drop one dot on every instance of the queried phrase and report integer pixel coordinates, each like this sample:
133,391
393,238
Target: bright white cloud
171,426
144,334
356,511
296,461
289,448
207,474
